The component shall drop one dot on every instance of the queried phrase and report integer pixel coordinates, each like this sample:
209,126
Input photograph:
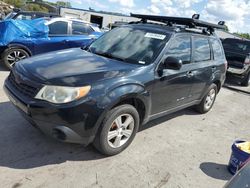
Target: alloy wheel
15,56
120,130
210,99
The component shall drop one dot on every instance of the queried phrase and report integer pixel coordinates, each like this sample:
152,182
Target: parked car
241,179
238,56
63,33
129,76
29,15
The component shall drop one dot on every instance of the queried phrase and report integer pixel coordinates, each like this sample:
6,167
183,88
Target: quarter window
58,28
217,50
202,50
181,49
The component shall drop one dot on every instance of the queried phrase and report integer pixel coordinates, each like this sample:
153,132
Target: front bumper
74,123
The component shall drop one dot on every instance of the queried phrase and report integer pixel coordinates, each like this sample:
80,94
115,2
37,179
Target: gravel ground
184,149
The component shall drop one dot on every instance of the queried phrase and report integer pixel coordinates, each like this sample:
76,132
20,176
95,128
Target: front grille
22,87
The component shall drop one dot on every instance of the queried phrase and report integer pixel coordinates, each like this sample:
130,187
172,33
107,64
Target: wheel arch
21,46
218,84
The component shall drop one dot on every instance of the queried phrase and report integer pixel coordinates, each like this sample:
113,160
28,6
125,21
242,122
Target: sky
235,12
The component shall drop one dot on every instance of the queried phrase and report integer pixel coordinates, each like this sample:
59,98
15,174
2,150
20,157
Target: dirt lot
184,149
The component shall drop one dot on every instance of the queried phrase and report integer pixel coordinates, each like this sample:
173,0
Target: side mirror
172,63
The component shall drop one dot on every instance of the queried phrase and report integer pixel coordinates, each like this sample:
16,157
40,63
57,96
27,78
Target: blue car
63,33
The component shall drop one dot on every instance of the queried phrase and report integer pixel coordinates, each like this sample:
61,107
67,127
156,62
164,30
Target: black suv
127,77
238,57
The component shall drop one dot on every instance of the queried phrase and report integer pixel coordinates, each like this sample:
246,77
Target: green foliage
28,5
226,28
15,3
35,7
244,35
63,4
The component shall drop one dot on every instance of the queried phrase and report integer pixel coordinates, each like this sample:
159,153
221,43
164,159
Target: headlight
61,94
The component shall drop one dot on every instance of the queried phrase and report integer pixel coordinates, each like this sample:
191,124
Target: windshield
130,45
10,15
237,45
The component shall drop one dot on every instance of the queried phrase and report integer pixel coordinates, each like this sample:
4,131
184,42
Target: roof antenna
196,16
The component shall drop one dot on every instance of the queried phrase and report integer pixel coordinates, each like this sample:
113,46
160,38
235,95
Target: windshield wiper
109,55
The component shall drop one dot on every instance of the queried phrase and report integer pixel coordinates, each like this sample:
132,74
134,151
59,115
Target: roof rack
193,22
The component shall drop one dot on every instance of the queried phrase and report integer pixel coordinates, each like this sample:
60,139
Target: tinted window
181,49
217,50
237,45
58,28
201,49
81,29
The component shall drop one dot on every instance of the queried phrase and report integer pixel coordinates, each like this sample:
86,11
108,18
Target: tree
35,7
15,3
244,35
63,4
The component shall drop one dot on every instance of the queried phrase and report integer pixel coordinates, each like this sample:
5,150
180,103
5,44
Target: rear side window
202,50
81,29
181,49
58,28
217,50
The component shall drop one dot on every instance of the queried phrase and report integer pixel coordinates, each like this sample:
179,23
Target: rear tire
12,55
246,80
208,101
118,130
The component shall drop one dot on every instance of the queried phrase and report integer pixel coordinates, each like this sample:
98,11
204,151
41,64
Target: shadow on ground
24,147
217,171
2,67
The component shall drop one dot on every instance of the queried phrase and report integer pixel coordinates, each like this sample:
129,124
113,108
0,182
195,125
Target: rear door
80,34
58,38
202,66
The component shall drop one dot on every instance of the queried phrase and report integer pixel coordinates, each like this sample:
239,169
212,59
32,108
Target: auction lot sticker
155,36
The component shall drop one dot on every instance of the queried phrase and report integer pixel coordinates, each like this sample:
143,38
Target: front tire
118,130
12,55
208,101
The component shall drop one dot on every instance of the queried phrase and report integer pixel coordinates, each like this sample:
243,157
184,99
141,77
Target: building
103,19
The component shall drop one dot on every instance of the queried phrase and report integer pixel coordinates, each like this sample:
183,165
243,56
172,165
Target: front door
58,38
172,89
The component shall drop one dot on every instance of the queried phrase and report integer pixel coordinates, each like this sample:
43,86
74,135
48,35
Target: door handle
190,74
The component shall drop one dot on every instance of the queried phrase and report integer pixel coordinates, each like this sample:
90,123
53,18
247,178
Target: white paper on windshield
142,62
155,36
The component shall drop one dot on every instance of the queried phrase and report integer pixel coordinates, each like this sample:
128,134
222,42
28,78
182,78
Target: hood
72,67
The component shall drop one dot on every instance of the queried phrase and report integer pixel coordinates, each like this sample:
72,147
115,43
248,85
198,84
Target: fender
12,45
123,92
119,94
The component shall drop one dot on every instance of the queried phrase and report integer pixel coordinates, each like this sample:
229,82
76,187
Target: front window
58,28
130,44
181,49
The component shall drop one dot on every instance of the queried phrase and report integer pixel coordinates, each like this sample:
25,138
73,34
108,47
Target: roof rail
193,22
